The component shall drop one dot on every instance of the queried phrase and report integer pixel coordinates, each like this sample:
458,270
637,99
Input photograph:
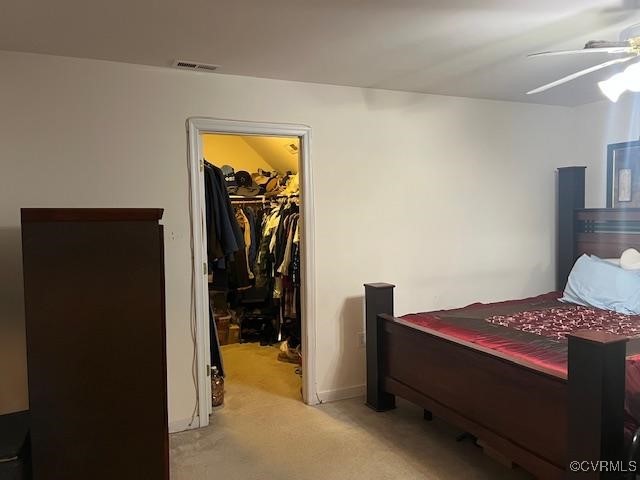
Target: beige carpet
265,432
253,371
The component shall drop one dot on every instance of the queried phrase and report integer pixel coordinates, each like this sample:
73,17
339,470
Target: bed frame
536,417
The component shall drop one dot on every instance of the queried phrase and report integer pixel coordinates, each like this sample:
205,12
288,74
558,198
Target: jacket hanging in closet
225,239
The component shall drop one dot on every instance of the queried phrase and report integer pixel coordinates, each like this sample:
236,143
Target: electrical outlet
362,340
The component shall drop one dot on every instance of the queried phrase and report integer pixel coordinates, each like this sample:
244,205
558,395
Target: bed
539,394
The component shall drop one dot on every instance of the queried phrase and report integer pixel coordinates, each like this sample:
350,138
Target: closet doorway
251,219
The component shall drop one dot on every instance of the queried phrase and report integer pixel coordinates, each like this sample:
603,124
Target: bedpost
570,197
378,301
596,381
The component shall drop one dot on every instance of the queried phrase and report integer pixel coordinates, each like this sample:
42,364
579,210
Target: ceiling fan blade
583,50
586,71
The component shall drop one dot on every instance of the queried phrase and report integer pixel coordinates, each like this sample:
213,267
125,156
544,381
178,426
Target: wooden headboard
604,232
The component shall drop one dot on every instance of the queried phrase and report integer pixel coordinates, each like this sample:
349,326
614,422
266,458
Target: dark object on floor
95,324
214,344
427,415
634,453
258,318
257,327
467,436
15,458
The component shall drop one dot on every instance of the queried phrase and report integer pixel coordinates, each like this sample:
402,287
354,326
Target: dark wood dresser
95,320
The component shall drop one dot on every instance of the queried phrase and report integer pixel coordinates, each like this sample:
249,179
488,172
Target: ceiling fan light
614,86
632,77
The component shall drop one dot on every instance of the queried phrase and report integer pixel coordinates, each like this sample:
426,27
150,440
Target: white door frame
196,126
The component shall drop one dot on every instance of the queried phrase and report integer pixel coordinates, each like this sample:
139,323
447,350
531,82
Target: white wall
597,125
451,199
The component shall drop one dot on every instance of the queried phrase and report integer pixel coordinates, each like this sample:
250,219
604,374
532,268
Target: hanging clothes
225,238
262,271
226,257
223,233
276,266
252,251
283,269
245,226
213,223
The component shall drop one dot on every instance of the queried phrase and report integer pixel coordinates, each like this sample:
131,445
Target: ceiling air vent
195,66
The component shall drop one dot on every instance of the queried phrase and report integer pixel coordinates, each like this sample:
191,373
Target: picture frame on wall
624,185
623,175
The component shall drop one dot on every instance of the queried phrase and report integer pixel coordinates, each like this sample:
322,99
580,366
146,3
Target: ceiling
471,48
276,151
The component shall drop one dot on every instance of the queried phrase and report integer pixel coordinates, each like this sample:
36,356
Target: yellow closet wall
232,150
251,152
276,152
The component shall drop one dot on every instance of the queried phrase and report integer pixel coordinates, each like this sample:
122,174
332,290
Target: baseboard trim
184,424
341,393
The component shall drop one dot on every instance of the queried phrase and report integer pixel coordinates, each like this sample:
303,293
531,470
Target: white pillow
630,259
614,261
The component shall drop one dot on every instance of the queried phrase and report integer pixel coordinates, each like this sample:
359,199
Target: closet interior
254,226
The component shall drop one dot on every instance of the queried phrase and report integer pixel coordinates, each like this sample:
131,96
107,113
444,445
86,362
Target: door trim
196,126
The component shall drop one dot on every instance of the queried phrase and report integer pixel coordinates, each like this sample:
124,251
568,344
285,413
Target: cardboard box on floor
234,333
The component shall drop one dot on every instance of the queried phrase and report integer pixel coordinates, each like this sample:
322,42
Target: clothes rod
260,198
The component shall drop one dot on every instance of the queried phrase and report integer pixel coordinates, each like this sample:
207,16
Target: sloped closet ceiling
280,152
250,153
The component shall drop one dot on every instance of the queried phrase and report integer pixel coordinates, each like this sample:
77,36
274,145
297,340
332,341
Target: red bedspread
534,330
557,322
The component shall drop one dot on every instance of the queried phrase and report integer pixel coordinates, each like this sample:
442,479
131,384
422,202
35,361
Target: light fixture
619,83
614,87
632,76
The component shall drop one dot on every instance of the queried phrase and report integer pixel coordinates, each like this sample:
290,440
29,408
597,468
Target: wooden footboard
538,418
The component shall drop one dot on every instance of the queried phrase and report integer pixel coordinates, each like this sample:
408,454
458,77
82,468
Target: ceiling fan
629,79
